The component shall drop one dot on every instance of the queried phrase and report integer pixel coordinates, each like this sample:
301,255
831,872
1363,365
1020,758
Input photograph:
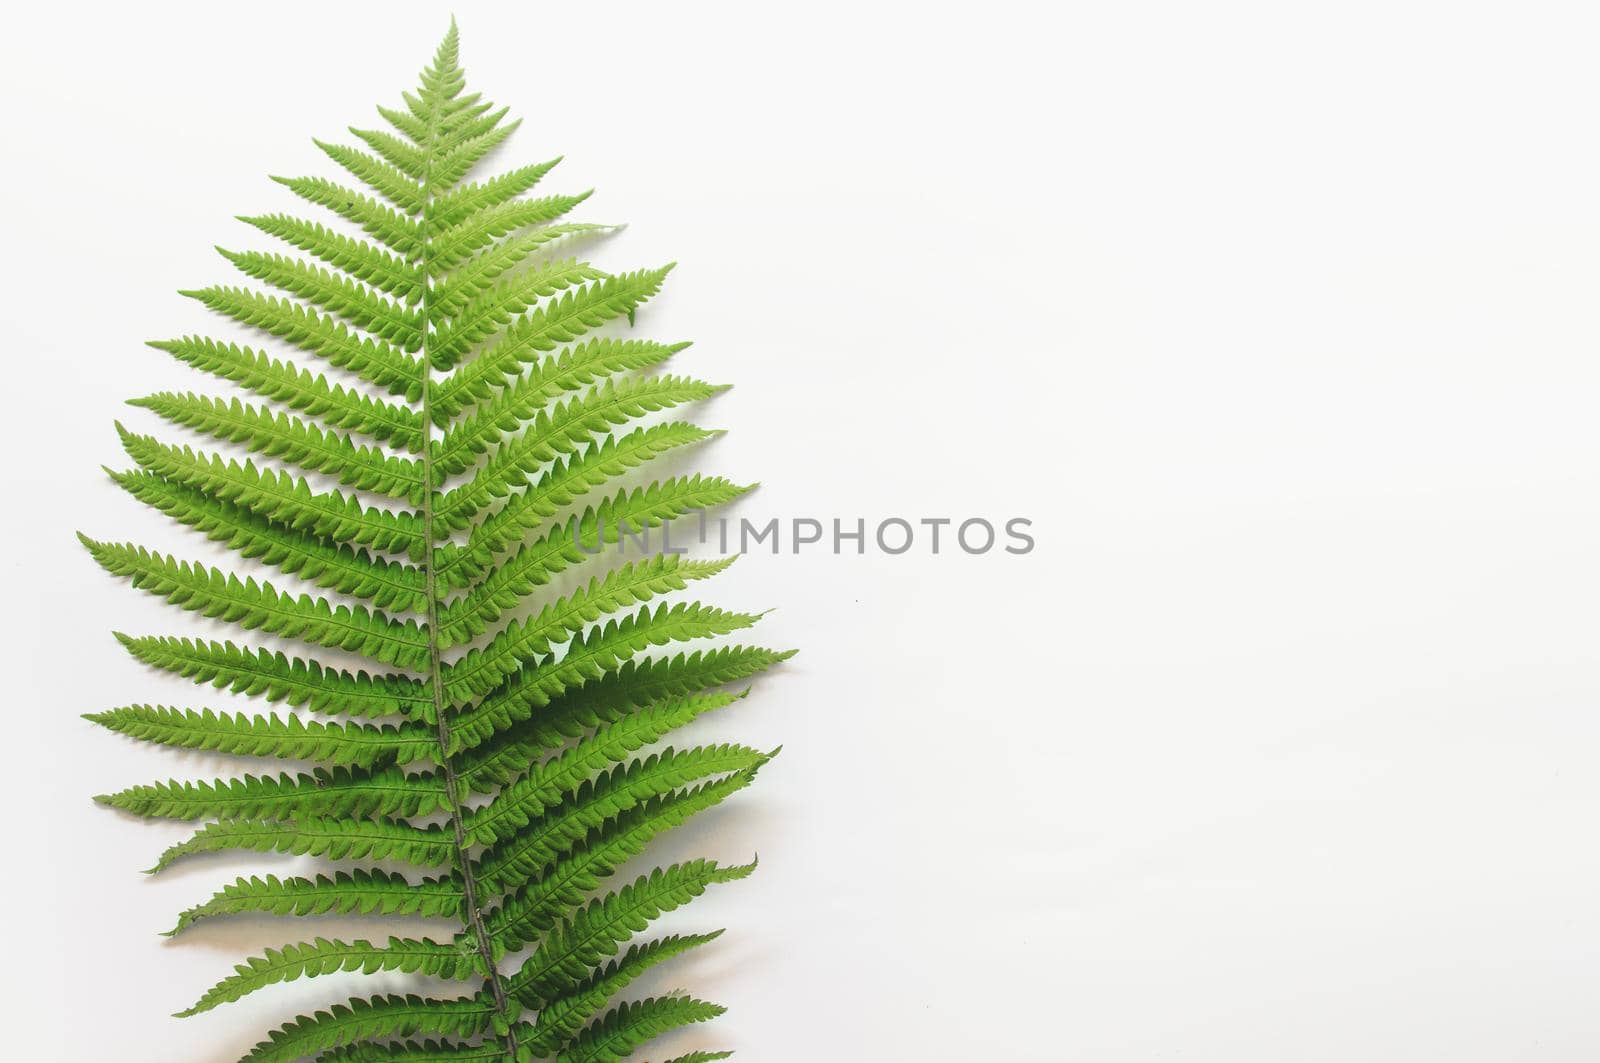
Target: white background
1279,320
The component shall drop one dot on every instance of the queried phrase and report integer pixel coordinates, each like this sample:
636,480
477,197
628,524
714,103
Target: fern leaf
494,428
336,839
631,1024
565,1015
281,436
216,594
279,496
534,908
360,892
359,794
366,1019
299,389
278,677
322,956
290,738
363,261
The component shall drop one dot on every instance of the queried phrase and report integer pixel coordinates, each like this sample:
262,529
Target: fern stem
469,886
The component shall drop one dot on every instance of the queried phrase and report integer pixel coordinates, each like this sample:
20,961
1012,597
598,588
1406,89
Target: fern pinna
491,764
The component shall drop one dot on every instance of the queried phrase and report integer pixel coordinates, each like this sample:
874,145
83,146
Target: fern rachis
497,742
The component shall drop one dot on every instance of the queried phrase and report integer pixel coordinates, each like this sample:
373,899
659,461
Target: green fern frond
361,892
490,734
336,839
289,738
312,958
340,792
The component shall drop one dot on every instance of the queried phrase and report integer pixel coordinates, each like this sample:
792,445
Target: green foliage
494,746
